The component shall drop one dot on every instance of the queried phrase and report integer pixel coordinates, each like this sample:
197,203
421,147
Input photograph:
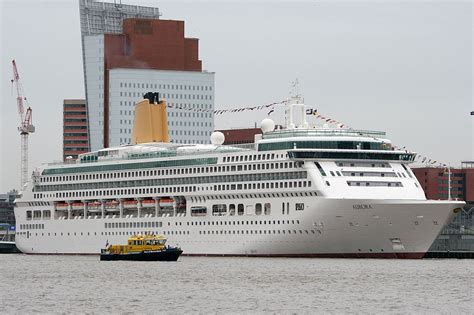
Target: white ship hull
325,228
294,192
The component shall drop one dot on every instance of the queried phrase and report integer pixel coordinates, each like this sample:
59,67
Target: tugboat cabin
139,243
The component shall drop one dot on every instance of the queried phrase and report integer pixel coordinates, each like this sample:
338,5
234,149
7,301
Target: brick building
75,131
458,235
434,181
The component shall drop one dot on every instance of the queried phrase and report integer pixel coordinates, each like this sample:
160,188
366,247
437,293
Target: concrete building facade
192,90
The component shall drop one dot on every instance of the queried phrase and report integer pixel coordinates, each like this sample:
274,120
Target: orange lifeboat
130,204
96,205
148,203
78,206
61,206
111,204
167,202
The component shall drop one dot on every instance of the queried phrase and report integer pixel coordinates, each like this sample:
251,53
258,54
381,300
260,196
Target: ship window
321,170
267,208
240,209
231,209
258,209
219,210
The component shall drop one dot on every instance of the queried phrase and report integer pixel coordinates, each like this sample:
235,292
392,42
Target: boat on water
142,248
301,191
8,247
7,239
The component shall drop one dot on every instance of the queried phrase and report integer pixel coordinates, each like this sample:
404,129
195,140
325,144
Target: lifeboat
111,204
61,206
148,203
141,248
94,205
78,206
167,202
130,204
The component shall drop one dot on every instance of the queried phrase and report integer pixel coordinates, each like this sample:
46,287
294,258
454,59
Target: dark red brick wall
236,136
469,184
434,182
152,44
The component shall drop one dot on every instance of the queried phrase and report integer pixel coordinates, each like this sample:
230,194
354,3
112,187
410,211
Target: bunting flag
223,111
330,120
309,111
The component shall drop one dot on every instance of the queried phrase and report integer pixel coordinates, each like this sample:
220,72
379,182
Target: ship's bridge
333,144
324,138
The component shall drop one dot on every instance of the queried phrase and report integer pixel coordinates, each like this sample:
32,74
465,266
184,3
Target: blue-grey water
83,284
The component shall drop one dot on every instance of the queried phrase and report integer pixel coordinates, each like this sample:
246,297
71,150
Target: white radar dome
267,125
217,138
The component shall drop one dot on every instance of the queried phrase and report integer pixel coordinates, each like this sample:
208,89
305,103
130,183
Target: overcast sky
396,66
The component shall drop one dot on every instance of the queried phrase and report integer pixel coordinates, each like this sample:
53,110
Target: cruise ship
298,191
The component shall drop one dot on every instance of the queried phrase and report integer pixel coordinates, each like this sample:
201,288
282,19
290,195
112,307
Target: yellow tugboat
142,248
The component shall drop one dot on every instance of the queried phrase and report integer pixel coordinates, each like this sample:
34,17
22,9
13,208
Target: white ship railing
287,133
166,153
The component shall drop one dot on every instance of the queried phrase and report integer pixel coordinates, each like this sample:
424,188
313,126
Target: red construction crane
26,126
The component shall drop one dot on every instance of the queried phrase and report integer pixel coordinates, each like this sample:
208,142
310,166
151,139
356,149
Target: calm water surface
83,284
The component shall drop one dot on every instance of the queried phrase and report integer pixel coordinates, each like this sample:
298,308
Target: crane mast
26,125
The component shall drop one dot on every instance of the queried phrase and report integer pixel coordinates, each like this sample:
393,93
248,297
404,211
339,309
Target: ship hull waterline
165,255
343,228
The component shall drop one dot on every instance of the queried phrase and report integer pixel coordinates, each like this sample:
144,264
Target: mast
449,182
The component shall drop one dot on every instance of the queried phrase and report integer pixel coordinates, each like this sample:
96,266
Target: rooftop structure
98,18
239,136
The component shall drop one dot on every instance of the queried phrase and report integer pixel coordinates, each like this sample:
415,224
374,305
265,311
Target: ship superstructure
299,191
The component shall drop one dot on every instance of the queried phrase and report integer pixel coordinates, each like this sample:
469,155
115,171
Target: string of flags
271,106
223,111
326,119
310,111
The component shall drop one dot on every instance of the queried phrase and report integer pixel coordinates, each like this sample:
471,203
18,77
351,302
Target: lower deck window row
374,184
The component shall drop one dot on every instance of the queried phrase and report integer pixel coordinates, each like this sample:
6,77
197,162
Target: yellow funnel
151,122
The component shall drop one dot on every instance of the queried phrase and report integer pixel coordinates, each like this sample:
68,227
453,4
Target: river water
83,284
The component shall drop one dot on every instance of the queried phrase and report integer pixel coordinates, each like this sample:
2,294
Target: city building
458,235
75,132
6,207
7,222
128,51
435,182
